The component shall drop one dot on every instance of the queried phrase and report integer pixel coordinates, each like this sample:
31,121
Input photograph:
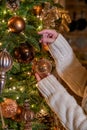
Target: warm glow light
25,19
14,88
32,106
0,44
3,21
36,85
42,111
22,89
10,89
29,73
10,78
4,12
17,97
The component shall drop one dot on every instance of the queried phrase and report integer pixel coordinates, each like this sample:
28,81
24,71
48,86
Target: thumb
37,77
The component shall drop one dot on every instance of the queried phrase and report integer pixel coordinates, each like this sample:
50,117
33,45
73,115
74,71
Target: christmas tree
20,21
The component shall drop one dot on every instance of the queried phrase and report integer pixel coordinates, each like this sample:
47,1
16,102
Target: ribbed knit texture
68,66
69,112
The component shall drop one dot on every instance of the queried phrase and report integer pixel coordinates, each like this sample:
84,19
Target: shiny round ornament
5,61
9,108
43,67
24,53
16,24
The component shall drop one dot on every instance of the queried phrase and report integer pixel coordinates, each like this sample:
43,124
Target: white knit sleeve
69,112
68,66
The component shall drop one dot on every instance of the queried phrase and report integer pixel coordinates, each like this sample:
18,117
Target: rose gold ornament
9,108
43,67
16,24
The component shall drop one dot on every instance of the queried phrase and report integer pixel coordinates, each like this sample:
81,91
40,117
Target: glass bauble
9,108
43,67
24,53
16,24
5,61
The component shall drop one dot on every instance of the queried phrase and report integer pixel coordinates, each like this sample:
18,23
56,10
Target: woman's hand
48,36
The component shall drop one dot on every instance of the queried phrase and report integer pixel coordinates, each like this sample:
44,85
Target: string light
42,111
22,89
10,89
4,12
14,88
36,85
3,21
0,44
17,97
10,78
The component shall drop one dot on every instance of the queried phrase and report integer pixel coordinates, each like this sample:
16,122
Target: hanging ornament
37,9
27,116
9,108
24,53
13,4
43,67
5,65
16,24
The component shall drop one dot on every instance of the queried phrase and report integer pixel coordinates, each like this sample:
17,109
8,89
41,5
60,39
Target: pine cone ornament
13,4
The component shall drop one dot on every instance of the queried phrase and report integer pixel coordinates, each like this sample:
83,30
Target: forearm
69,112
68,66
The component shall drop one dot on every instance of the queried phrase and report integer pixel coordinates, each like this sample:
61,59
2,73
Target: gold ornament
51,15
9,108
16,24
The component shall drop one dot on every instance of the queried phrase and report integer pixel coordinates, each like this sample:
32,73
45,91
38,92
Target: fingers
47,37
46,40
37,77
47,31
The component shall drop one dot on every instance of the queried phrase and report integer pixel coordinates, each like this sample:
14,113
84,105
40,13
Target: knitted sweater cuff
61,52
68,66
49,86
64,105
